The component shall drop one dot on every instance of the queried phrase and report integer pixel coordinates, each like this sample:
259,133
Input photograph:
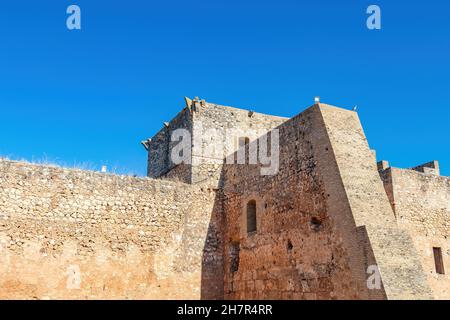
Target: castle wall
214,132
160,163
125,237
322,222
297,251
391,248
325,226
229,124
422,208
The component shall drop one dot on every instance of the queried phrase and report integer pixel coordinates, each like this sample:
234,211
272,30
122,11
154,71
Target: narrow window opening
438,261
251,216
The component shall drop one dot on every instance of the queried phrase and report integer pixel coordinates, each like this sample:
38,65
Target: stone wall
229,124
160,149
210,126
323,222
125,237
357,194
422,208
297,252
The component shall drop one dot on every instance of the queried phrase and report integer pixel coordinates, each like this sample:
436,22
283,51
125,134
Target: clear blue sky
90,96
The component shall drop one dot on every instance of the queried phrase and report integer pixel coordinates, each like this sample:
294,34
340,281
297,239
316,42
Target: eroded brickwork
296,252
323,219
357,194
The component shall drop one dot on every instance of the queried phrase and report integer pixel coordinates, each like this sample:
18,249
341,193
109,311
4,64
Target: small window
251,216
438,261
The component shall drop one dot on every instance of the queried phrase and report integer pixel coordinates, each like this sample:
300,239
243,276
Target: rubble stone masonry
123,237
296,251
318,228
422,208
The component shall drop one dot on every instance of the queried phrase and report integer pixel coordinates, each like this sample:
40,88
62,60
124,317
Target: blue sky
89,97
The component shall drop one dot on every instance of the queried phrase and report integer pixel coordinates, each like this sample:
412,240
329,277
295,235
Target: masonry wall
351,173
214,132
126,238
422,208
229,124
160,163
323,222
297,251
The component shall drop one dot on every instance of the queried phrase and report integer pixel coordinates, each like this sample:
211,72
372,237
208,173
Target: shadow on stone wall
376,292
212,274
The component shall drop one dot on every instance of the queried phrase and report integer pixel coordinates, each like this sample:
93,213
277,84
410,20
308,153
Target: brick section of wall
393,248
422,207
297,251
129,238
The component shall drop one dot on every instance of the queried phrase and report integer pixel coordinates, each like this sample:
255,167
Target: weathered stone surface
322,221
421,204
200,122
129,238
